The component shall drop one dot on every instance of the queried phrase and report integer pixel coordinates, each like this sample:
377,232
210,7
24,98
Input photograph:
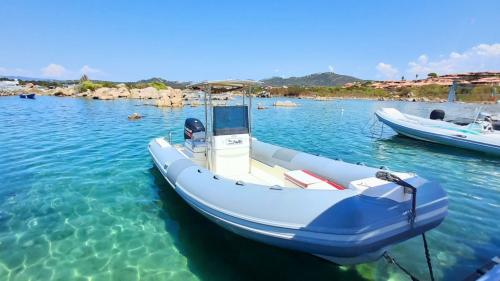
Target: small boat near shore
345,213
27,96
479,135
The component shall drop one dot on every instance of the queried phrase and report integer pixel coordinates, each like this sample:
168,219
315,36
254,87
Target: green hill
317,79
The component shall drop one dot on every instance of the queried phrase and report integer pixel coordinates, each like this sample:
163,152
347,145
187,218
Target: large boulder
170,98
121,92
110,93
63,92
102,94
146,93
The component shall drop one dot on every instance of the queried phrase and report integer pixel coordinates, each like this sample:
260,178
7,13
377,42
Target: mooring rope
428,257
392,260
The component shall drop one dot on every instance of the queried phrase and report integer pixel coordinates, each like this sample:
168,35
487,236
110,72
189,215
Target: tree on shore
84,78
432,75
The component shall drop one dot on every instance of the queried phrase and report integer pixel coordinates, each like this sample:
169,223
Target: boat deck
261,173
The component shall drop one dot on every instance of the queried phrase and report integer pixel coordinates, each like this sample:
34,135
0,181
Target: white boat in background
342,212
479,135
10,85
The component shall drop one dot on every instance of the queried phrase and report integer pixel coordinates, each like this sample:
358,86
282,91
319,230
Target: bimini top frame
222,86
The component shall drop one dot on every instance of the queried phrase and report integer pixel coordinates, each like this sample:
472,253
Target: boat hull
441,136
27,96
328,224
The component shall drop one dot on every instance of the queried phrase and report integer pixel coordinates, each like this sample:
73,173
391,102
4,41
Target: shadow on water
215,253
475,261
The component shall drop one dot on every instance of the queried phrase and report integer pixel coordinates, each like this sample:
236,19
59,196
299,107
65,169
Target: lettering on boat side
234,141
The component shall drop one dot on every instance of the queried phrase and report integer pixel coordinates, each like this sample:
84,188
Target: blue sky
198,40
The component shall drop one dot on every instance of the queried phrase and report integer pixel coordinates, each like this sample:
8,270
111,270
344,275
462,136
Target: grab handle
408,188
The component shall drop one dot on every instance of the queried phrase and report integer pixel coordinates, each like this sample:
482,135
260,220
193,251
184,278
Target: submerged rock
195,103
134,116
286,103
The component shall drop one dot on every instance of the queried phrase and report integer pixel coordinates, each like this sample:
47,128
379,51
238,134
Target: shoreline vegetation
427,93
481,87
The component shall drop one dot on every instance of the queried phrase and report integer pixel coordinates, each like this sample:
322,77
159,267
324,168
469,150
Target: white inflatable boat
479,135
339,211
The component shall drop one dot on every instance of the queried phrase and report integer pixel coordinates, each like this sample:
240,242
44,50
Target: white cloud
54,71
330,68
89,70
13,71
387,70
492,50
423,58
481,57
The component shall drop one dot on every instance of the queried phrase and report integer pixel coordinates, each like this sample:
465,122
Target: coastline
170,97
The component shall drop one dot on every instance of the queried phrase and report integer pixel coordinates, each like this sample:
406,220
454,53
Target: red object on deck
333,184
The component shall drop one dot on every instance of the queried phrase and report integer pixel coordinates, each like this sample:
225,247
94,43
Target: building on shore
490,78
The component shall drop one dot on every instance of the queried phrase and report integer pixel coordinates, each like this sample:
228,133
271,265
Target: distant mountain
317,79
24,78
173,84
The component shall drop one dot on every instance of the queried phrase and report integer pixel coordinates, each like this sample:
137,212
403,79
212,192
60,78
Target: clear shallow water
80,199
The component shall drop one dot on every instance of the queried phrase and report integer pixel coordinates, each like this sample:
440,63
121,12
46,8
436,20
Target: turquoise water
80,198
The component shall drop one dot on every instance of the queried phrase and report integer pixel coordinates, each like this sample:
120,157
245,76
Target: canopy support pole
249,92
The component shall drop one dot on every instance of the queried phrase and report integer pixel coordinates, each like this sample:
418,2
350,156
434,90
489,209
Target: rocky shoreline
168,97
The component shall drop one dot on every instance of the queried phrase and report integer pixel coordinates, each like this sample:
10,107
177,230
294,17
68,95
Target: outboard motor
495,124
437,114
193,129
194,141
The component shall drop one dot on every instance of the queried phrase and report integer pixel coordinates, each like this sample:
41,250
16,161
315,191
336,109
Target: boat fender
437,114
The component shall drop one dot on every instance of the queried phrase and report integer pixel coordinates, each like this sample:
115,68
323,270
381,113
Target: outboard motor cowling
192,128
496,125
437,114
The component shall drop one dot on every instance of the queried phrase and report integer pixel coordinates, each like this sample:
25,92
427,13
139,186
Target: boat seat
309,180
375,187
